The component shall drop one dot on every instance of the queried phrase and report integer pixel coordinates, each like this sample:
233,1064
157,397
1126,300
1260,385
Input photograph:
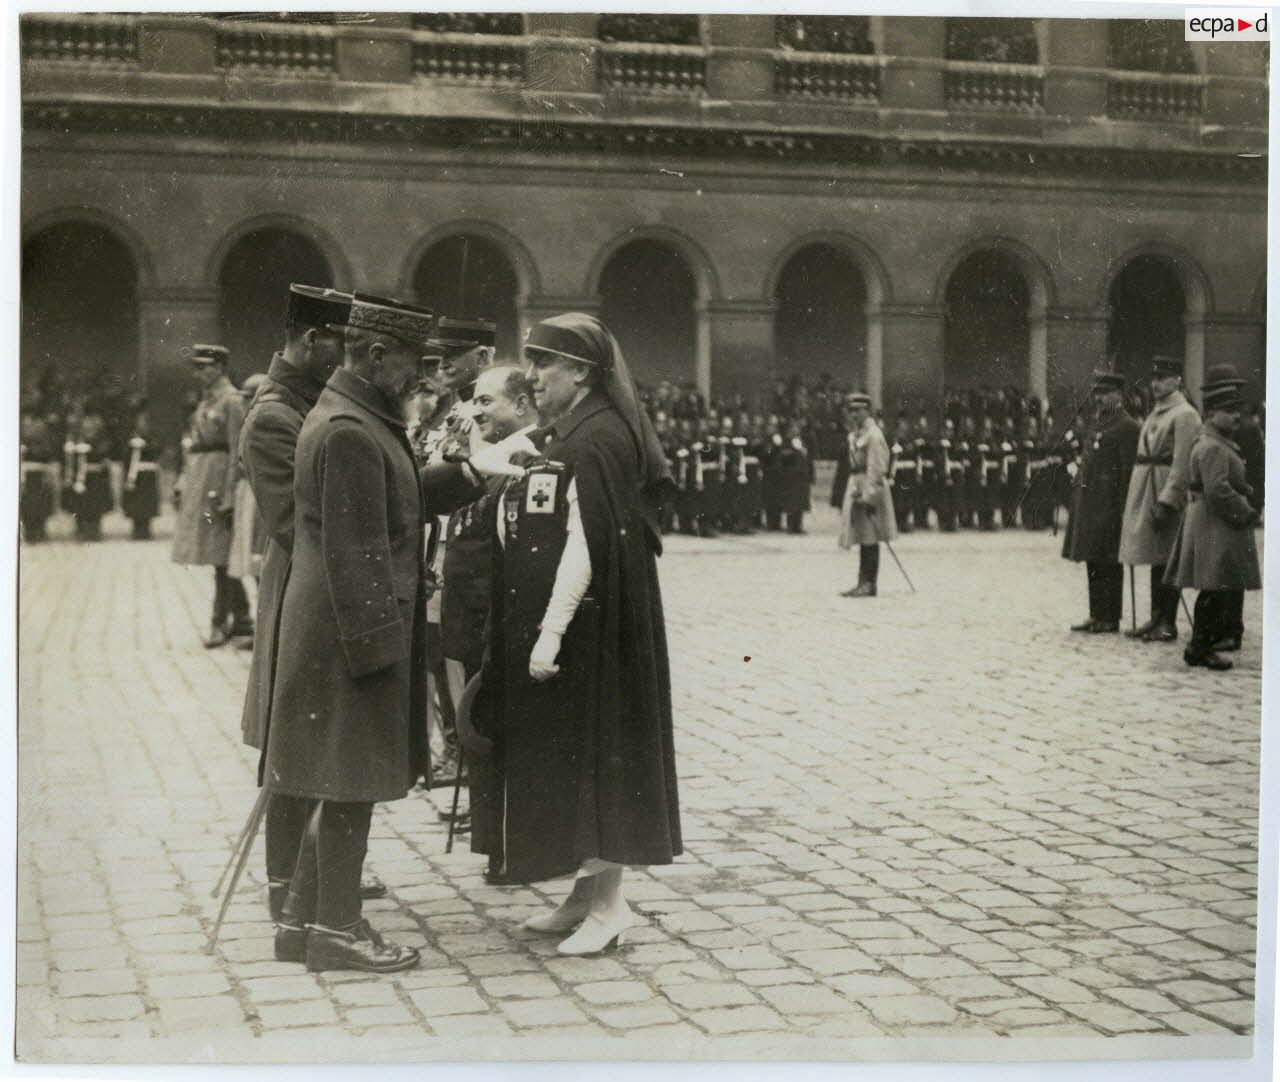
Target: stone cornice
246,125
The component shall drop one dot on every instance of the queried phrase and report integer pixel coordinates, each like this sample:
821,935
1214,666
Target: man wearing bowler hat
1097,509
1158,492
1215,551
202,532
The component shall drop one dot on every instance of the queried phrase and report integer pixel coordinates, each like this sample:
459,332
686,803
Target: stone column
915,48
1038,374
912,352
1240,340
564,56
1075,80
740,57
739,335
378,49
1237,91
176,44
1193,355
170,321
874,355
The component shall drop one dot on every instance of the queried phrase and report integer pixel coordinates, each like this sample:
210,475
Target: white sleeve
573,575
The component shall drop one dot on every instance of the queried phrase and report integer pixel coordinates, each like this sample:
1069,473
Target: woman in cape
576,692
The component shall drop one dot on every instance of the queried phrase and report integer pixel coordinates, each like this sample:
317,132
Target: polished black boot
356,947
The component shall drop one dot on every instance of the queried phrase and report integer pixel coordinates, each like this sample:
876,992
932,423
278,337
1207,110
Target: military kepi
856,399
1162,365
410,323
207,354
1108,381
462,335
317,306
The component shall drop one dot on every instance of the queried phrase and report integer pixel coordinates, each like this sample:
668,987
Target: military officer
1093,528
1158,492
861,491
1013,473
1214,550
202,532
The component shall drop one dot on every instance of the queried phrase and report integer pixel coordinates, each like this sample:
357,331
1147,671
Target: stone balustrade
827,75
1133,95
680,69
469,58
92,39
276,47
977,85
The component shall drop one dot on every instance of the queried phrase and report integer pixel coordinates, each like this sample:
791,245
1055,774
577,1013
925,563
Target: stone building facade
907,210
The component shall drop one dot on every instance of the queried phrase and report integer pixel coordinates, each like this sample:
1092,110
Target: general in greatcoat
576,686
1097,508
1215,551
202,531
350,666
861,491
1158,492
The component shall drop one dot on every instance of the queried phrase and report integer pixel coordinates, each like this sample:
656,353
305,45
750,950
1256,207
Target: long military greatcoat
1097,507
202,531
1215,547
584,763
1159,473
861,489
268,441
350,677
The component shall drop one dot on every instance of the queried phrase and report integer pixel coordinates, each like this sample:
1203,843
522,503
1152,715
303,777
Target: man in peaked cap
1215,551
1097,509
202,533
1158,492
861,491
349,680
314,319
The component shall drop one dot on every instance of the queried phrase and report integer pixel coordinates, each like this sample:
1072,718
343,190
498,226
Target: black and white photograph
642,536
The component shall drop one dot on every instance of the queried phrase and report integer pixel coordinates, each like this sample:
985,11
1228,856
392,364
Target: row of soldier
77,460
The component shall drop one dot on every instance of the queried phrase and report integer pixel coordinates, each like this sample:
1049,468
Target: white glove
542,662
495,459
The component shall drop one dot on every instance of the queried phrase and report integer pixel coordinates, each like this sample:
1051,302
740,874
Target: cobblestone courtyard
912,823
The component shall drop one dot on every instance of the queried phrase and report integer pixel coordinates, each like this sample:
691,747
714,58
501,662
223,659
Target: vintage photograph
636,536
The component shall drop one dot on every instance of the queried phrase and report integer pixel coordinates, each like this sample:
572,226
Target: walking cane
874,518
1133,601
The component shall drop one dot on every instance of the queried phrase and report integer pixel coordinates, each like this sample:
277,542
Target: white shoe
597,934
564,918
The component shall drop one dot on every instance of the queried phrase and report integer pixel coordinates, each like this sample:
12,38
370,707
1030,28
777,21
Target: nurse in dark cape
576,694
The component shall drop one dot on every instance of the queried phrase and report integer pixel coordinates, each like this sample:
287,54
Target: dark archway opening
821,327
647,294
1147,307
987,335
253,291
470,277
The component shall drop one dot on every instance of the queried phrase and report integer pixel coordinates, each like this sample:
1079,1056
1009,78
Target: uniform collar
295,379
1207,429
1177,398
364,393
593,403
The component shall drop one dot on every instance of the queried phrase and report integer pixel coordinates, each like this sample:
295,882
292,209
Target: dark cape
583,764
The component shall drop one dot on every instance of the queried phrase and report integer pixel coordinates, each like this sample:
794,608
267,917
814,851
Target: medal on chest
540,495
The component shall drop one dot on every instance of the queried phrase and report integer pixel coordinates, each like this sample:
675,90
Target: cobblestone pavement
924,819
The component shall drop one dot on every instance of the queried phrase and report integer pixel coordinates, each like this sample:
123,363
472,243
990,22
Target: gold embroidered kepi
410,323
462,335
206,354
